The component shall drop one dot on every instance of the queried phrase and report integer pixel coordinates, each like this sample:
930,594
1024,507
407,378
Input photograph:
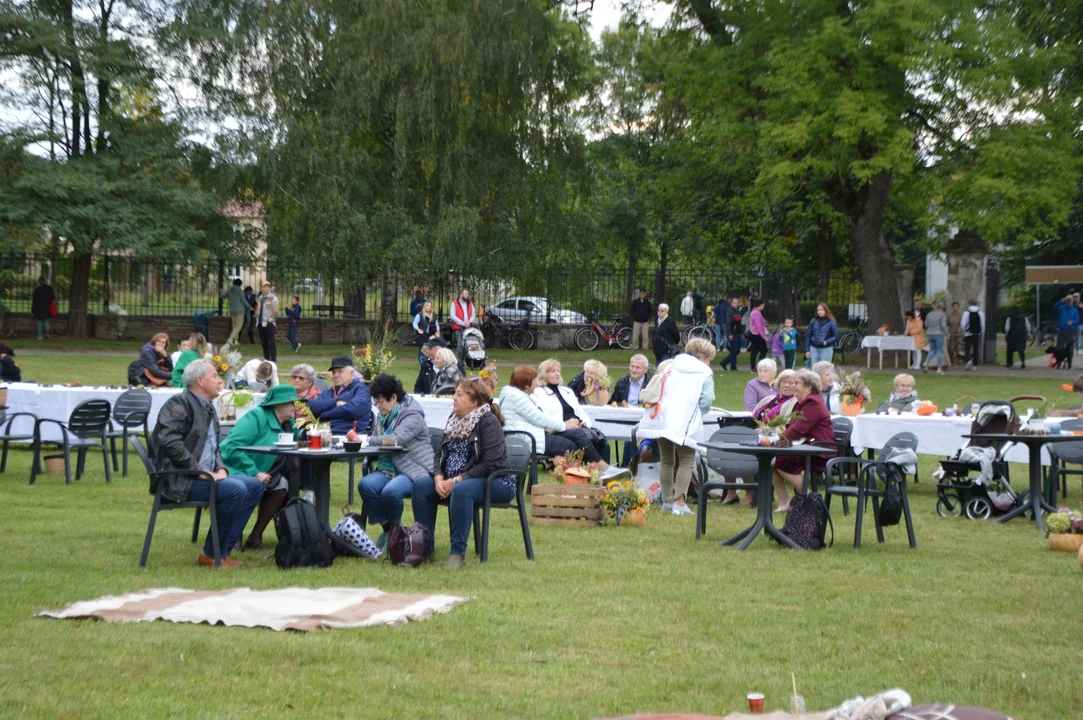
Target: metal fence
153,287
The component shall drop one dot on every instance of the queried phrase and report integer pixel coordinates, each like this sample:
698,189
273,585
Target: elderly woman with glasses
303,378
811,423
903,399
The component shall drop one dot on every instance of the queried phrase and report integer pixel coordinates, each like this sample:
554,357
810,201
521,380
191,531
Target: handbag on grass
352,539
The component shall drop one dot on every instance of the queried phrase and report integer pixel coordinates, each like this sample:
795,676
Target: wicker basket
54,464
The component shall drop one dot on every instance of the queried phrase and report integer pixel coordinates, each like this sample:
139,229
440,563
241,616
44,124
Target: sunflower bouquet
622,498
226,362
488,376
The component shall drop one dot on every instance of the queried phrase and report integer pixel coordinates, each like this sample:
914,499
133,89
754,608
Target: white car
512,310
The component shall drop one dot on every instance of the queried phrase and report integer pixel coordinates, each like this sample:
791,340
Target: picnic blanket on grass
285,609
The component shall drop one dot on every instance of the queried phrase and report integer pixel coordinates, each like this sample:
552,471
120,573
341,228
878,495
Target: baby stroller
979,497
472,350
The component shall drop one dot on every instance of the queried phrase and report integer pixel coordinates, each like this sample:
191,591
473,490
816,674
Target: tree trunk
80,295
660,278
872,253
633,265
389,297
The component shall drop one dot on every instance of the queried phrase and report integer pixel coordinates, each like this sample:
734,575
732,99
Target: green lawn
606,621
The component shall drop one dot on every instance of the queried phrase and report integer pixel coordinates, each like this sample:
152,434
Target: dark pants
735,350
235,498
971,343
571,440
467,494
267,339
660,358
1012,352
291,333
757,350
250,319
790,356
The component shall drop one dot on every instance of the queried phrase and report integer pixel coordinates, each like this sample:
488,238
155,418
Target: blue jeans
469,493
719,338
236,497
291,333
735,350
660,358
818,354
382,496
936,350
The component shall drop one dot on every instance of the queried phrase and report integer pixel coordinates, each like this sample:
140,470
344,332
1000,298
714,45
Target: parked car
512,310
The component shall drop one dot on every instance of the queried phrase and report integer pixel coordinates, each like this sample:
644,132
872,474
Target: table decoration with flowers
1064,530
582,473
625,503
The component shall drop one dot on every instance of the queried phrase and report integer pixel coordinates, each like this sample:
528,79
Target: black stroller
991,491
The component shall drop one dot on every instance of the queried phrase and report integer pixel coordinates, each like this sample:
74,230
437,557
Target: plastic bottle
308,496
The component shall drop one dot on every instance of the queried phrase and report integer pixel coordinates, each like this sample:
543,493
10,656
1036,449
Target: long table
903,343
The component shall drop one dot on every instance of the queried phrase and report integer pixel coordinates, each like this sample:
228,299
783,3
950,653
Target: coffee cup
755,703
285,438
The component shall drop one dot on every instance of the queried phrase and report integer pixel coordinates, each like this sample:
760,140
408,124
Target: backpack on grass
807,521
302,537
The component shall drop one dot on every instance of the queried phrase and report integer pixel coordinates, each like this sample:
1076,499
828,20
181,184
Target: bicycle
493,331
850,341
587,338
697,331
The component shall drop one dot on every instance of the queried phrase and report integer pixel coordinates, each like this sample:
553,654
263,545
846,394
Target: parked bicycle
587,338
850,341
696,331
495,333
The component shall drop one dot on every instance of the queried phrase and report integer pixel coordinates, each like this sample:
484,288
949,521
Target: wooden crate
560,504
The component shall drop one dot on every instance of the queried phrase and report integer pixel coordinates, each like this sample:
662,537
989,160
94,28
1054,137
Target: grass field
606,621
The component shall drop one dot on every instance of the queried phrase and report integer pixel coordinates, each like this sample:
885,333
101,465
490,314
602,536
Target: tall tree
97,166
856,103
426,137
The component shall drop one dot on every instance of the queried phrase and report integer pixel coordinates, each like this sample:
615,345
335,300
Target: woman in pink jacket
757,335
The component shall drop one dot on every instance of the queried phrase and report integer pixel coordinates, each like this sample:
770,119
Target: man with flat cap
346,404
427,373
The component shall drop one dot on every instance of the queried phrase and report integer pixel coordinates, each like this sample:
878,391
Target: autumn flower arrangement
573,460
488,376
226,362
622,498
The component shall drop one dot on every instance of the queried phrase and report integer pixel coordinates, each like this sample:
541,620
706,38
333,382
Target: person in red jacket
462,317
812,423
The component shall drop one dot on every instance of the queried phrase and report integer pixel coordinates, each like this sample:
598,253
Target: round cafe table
765,491
1035,501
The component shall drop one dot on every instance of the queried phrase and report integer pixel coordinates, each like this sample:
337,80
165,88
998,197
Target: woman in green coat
197,351
261,426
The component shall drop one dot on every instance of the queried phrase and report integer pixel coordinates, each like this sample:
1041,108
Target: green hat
279,395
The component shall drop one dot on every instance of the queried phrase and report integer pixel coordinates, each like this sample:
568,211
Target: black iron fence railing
153,287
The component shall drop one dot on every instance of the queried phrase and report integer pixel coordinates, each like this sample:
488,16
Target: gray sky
607,14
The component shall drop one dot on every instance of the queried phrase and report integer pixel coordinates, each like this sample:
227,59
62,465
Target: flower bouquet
854,394
304,417
625,503
226,362
773,431
1064,529
488,376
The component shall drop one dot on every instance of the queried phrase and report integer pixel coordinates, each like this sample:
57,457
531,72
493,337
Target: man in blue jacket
1067,324
346,405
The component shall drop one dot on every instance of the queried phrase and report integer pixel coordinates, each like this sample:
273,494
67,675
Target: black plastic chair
85,429
131,410
157,485
866,486
1062,454
726,464
533,455
6,421
843,429
519,454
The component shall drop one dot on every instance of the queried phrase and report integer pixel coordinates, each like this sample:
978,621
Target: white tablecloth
57,403
880,343
936,434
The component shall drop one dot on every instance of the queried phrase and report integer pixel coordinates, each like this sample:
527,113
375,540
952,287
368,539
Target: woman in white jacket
557,406
676,421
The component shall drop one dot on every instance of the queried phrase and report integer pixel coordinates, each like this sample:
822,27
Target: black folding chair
866,486
843,429
533,455
131,410
157,485
1062,454
726,464
85,429
6,421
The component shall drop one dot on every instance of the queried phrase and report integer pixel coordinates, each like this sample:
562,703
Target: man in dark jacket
734,329
626,394
641,312
666,336
9,370
427,373
346,405
250,313
186,439
41,306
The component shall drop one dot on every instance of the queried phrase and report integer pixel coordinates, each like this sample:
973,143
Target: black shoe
1007,365
1023,366
731,502
250,545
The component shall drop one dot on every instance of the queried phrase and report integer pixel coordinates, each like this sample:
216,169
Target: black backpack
973,323
807,521
891,506
303,540
135,371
